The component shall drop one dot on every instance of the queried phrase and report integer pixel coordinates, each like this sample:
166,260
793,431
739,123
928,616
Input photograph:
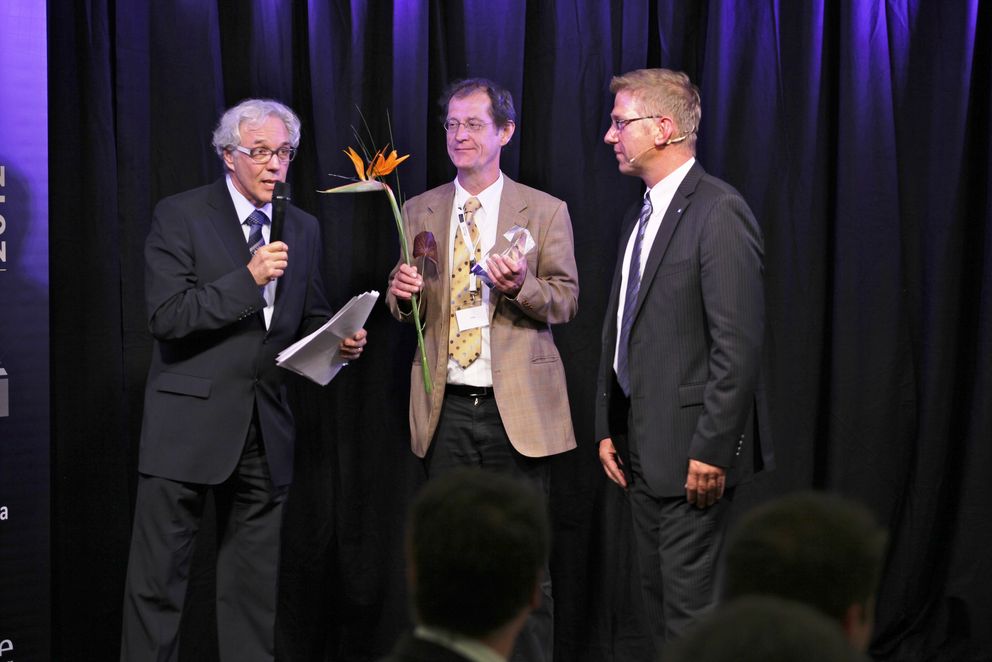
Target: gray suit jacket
695,347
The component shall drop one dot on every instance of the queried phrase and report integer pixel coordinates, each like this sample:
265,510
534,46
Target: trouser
678,551
470,433
167,518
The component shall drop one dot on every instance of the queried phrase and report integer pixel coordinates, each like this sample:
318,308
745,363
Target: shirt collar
488,198
473,649
663,192
241,205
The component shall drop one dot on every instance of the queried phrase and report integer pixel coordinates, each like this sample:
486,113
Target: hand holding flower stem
381,165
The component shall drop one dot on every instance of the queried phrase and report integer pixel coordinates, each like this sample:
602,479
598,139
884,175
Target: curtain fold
859,132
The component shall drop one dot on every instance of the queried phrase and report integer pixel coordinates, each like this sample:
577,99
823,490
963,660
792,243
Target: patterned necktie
630,297
255,221
465,346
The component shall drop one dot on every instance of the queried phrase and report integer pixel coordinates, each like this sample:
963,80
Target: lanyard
467,238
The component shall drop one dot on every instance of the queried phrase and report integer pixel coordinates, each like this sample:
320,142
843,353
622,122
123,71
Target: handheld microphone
280,196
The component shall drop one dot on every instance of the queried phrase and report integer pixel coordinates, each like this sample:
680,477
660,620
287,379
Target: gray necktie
630,298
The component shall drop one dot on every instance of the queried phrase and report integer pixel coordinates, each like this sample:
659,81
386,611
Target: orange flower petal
389,163
372,171
357,162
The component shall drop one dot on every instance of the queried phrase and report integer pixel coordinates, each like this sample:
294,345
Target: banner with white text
25,557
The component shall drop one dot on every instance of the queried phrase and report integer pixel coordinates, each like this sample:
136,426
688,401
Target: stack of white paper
316,357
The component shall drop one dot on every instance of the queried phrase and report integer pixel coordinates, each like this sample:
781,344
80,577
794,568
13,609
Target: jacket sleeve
182,296
733,298
551,293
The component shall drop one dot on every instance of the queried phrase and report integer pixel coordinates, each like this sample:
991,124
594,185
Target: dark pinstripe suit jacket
695,348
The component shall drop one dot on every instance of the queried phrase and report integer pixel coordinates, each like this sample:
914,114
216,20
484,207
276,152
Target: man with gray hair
679,406
216,417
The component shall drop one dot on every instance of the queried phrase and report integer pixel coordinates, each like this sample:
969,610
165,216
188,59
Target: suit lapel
511,208
224,219
680,201
511,212
438,221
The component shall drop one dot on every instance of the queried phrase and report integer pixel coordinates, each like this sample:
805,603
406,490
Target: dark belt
466,391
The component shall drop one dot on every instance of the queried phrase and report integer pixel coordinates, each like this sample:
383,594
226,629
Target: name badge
472,318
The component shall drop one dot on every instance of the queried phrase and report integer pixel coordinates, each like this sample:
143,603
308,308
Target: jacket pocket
171,382
691,395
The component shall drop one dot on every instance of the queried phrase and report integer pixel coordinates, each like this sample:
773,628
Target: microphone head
280,191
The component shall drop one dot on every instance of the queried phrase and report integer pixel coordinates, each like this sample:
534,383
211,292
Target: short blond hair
664,92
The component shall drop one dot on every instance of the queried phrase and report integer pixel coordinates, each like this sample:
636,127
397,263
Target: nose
611,135
274,163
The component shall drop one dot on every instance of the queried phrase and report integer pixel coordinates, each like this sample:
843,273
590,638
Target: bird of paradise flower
370,176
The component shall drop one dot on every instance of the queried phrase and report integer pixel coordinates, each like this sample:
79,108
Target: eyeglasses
264,154
620,124
472,126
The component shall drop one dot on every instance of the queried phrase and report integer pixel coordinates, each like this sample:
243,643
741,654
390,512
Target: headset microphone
637,156
670,141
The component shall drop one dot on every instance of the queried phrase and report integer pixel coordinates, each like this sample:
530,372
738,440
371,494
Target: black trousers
167,518
470,433
678,552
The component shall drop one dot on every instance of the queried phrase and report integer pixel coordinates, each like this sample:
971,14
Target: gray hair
253,112
667,92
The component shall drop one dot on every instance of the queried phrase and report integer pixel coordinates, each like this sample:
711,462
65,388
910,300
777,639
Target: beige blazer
528,377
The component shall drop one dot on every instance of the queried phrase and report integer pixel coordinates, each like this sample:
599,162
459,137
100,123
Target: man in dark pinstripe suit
679,408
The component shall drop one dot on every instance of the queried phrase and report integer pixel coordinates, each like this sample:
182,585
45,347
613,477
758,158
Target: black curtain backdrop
858,131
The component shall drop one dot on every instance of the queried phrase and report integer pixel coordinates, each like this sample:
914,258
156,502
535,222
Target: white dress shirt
661,197
244,210
474,650
479,373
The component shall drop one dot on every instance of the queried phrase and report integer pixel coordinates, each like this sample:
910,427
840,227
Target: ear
857,623
506,132
229,159
537,595
853,616
666,129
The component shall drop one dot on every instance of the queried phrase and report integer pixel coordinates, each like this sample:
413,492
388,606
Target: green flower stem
414,303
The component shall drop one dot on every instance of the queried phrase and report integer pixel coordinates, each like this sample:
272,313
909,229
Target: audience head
815,548
763,629
478,543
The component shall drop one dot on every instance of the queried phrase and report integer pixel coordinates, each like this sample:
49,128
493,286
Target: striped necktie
630,297
255,221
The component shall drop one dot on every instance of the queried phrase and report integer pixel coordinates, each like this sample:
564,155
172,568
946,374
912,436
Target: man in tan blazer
499,399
